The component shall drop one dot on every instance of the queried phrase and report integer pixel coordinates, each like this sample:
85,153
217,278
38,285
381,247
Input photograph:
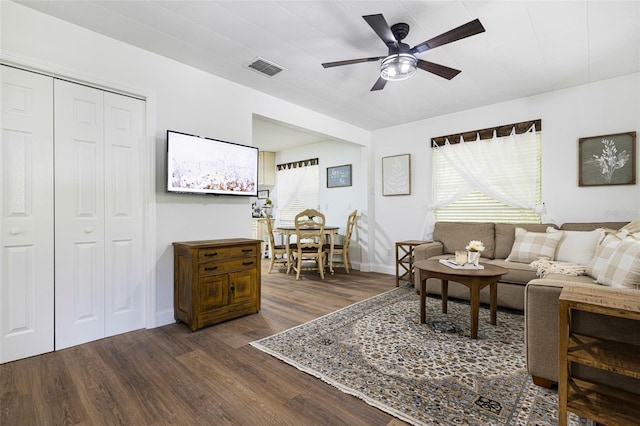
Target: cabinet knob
15,231
233,288
88,230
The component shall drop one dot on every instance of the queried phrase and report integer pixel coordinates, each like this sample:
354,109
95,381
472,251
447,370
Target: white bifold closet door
26,206
98,214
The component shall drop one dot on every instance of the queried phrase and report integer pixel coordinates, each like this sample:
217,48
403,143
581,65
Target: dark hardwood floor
169,375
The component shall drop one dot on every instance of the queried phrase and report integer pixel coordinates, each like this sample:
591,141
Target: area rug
424,374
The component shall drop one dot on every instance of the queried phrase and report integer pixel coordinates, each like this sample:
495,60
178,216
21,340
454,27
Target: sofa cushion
577,246
519,273
506,235
590,226
604,250
456,235
623,268
530,246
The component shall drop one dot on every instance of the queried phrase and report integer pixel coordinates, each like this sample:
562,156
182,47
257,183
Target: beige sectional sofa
498,239
522,289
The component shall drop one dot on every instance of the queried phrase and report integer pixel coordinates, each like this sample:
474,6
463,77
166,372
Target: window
497,180
298,189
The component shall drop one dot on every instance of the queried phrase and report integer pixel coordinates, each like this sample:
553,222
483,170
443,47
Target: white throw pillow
603,252
577,246
530,246
623,269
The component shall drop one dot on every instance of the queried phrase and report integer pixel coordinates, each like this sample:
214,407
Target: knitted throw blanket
545,267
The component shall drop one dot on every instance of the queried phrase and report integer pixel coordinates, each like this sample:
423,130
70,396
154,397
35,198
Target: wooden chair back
275,250
309,226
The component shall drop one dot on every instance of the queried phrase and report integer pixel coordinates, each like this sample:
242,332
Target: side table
589,399
405,258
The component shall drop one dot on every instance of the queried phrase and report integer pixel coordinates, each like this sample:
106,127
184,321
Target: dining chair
342,250
309,245
275,250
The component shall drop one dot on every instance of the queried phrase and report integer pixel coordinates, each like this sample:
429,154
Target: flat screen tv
200,165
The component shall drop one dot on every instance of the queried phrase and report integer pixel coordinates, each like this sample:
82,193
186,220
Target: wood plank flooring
169,375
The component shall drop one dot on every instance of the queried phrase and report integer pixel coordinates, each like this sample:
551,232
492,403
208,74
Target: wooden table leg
423,298
493,302
475,309
445,295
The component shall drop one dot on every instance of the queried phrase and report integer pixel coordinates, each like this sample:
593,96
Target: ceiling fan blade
351,61
463,31
437,69
380,26
379,84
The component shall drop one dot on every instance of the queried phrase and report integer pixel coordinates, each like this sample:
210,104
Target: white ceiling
529,47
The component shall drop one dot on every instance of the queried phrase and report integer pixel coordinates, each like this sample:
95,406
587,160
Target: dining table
329,231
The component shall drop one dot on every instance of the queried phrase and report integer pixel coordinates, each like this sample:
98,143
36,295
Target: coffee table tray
451,264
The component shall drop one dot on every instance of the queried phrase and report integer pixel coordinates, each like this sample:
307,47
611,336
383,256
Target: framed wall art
607,160
339,176
396,175
263,194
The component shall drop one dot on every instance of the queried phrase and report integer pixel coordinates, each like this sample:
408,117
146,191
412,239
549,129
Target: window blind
309,191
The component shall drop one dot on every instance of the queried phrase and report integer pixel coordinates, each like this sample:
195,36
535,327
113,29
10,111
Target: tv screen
200,165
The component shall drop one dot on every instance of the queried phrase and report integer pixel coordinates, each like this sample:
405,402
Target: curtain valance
504,130
296,164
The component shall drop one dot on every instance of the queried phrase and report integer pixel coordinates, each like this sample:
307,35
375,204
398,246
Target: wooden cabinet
266,168
597,401
216,280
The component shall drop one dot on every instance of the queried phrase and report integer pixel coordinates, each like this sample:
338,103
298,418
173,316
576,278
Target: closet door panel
26,208
79,209
124,132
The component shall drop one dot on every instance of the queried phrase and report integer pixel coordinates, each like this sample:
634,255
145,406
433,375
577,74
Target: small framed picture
607,160
263,194
396,175
339,176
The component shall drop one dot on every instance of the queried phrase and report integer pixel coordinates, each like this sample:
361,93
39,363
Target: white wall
179,98
600,108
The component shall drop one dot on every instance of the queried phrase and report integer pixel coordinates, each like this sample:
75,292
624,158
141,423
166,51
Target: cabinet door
243,286
79,210
26,208
213,292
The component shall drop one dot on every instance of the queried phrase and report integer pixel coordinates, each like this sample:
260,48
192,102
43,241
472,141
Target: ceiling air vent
264,67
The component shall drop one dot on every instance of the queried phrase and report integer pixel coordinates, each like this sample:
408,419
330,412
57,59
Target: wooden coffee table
475,279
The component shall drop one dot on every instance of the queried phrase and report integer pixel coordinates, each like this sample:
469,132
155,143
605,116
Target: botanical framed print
339,176
607,160
263,194
396,175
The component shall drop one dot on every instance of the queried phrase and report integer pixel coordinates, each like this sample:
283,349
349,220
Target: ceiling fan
401,61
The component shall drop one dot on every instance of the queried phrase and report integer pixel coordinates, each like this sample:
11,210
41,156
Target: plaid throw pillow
603,252
530,246
623,269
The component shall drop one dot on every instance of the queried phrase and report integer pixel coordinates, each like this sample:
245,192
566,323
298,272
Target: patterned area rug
424,374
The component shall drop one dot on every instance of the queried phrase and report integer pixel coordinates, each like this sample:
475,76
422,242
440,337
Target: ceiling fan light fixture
398,67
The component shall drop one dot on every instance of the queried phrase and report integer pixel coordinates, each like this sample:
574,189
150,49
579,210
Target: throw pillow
577,246
633,226
623,269
603,252
530,246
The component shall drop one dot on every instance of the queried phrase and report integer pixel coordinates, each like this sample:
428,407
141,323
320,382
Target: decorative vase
473,258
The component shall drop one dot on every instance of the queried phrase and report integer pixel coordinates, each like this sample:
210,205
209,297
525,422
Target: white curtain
490,166
291,185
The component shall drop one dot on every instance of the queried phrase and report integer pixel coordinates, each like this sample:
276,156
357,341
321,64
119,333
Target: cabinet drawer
212,268
215,253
